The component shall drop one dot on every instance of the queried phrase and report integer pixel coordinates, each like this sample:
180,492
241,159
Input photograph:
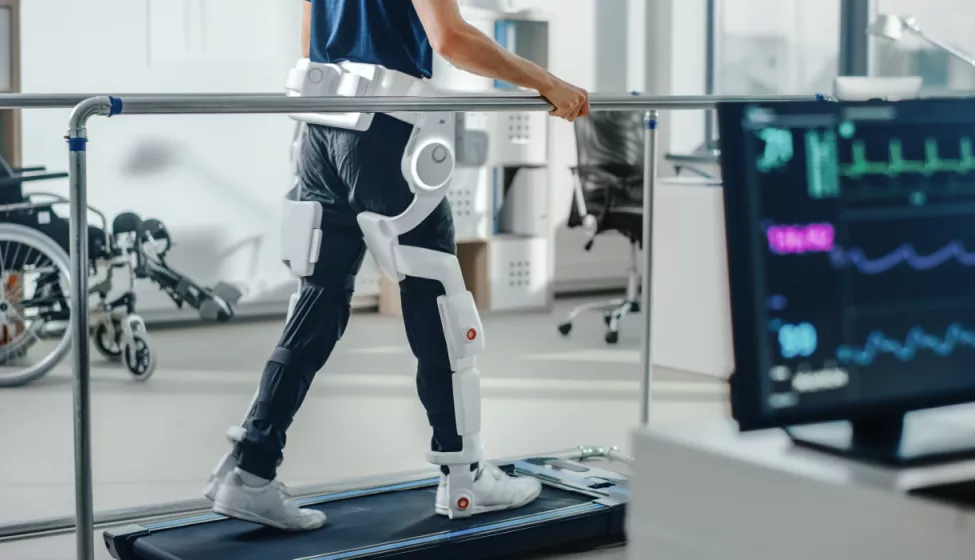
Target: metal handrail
70,100
87,106
216,102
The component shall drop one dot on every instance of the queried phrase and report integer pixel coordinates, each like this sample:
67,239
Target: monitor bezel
747,337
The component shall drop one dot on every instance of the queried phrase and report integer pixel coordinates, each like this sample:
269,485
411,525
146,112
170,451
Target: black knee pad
292,363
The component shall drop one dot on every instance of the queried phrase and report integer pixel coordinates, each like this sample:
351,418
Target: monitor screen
851,255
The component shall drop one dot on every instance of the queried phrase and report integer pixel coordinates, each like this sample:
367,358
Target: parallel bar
646,304
161,105
245,102
70,100
182,103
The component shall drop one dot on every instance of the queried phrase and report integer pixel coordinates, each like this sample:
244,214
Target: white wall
675,60
574,55
219,179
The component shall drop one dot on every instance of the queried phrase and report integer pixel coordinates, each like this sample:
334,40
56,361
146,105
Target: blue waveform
916,340
904,254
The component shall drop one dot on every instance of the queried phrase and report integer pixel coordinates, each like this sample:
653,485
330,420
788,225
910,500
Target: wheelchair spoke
13,264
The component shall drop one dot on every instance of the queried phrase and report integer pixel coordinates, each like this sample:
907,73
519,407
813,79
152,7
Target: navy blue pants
350,172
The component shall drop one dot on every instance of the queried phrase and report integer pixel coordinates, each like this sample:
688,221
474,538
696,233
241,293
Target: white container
470,200
519,273
519,138
524,209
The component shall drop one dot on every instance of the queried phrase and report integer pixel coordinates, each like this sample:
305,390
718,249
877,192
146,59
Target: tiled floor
157,441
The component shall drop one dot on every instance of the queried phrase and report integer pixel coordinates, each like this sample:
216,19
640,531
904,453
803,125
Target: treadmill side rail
119,540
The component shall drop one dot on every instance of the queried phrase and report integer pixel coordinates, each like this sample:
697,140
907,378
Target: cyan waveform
916,340
904,254
798,340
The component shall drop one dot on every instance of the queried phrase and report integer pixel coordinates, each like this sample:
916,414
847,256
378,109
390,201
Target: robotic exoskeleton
427,164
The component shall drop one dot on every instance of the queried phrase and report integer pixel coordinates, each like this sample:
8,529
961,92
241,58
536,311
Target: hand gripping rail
87,106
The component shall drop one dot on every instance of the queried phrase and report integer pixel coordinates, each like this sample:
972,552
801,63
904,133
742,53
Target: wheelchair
35,307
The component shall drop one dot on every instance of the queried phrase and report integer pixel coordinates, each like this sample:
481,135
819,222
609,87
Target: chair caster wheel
635,307
565,328
612,337
607,318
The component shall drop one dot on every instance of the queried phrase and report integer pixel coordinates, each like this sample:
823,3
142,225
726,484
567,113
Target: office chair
609,197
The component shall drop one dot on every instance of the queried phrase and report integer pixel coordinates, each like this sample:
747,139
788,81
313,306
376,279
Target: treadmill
581,507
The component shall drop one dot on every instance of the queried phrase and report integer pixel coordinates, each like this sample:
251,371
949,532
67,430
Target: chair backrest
611,139
610,146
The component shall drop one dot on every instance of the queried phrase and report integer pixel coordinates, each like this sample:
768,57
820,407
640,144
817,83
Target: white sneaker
494,490
267,505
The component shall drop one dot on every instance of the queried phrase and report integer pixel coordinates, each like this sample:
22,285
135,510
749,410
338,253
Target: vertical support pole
81,371
710,65
854,56
646,303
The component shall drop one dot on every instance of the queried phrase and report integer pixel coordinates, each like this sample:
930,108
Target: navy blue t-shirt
385,32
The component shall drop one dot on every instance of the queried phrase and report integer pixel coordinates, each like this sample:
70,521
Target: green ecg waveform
896,164
824,170
821,164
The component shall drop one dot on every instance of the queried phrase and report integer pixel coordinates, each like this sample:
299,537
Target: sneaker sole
441,510
242,515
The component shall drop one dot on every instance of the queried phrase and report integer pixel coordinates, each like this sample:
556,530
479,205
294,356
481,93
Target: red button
471,334
463,503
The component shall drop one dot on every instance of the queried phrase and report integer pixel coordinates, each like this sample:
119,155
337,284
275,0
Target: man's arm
306,30
464,46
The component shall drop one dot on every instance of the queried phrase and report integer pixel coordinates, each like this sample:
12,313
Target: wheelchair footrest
218,304
227,292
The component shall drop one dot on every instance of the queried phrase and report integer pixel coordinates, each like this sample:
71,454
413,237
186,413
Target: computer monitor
863,88
851,255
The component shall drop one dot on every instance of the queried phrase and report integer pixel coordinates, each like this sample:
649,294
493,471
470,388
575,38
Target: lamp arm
958,53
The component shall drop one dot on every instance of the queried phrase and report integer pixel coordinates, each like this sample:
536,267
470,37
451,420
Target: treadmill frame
608,491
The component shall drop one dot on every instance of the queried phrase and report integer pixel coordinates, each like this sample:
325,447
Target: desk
707,492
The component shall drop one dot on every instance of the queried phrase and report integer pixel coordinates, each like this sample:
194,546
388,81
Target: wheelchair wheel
34,308
108,344
140,358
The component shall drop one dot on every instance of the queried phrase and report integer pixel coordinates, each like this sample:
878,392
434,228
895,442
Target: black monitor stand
884,440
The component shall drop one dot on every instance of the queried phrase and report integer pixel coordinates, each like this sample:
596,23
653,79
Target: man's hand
570,102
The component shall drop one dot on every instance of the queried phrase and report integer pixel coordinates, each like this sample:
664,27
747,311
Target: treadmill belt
379,523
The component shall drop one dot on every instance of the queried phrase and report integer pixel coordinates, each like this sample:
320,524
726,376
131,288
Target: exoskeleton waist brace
427,163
